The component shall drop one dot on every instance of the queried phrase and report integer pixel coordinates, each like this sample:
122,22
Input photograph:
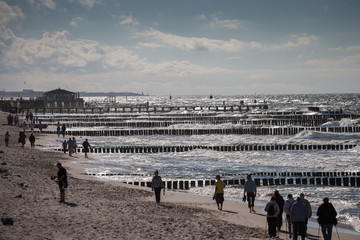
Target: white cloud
8,13
56,53
48,3
227,23
349,61
234,58
197,44
74,21
202,17
353,48
39,4
215,45
299,41
128,20
89,3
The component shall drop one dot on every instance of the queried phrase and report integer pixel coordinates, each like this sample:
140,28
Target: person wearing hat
156,185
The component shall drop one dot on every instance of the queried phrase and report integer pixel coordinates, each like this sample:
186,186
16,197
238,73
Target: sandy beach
108,210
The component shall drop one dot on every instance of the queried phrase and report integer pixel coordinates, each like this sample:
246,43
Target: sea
201,164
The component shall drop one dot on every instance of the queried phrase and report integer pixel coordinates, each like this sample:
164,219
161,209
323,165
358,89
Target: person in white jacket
287,206
273,210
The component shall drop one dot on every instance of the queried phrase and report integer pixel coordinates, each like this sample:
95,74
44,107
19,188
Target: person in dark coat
280,201
327,218
272,209
32,140
86,146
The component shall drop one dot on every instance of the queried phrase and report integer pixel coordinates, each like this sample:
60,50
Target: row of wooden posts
207,131
324,181
256,174
227,148
164,121
151,108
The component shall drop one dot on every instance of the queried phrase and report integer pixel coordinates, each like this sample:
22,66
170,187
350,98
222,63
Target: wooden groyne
164,120
206,131
224,148
130,108
336,179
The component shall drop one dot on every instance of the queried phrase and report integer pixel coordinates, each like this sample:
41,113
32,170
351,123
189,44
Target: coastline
110,210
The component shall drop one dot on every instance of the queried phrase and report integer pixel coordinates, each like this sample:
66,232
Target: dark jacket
327,214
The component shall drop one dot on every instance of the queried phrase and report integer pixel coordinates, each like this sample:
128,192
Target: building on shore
60,98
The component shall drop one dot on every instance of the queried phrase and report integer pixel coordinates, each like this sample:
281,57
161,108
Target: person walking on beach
70,146
86,146
7,138
32,141
156,185
308,207
24,126
287,206
327,218
62,181
280,202
298,214
219,192
63,130
22,139
74,144
250,192
58,130
273,210
64,146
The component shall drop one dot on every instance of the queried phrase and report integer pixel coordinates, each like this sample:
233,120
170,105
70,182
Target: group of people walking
298,212
71,146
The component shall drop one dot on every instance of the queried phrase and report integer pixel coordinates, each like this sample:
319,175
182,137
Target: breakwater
339,179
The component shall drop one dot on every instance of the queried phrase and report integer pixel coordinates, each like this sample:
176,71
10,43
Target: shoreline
110,210
77,169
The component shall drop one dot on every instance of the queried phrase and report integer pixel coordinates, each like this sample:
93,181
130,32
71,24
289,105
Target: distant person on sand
70,146
219,192
250,192
287,206
62,181
327,218
74,144
63,130
7,138
24,126
64,146
86,146
58,130
156,185
40,127
273,210
22,138
32,140
298,213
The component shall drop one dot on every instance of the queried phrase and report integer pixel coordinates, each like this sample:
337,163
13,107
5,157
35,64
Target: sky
187,47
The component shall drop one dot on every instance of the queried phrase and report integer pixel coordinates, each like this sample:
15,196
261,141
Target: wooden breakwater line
207,131
130,108
224,148
159,121
339,179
